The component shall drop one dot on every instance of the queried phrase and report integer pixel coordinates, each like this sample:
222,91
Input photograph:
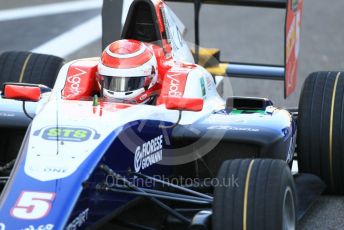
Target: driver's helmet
127,72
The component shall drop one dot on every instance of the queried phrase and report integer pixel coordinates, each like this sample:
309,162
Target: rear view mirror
22,92
187,104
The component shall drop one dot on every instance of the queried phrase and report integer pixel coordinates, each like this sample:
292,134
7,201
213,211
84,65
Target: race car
190,160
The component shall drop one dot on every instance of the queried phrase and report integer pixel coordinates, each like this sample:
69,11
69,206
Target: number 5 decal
32,205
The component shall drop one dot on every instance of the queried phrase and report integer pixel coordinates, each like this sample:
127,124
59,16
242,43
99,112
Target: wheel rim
289,217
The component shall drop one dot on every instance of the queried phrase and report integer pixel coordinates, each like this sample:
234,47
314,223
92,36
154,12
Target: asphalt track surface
242,34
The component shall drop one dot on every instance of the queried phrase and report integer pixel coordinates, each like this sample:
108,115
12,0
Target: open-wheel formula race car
190,160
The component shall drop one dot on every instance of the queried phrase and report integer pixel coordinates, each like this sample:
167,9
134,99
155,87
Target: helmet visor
123,84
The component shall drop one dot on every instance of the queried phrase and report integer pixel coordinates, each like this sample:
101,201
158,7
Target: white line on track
74,39
49,9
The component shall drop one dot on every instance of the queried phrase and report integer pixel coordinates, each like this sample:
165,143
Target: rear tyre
263,196
29,68
321,129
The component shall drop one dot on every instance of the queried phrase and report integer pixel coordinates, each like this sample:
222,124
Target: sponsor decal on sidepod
233,128
149,153
78,221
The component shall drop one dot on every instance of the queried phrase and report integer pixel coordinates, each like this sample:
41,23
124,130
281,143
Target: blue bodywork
273,130
72,195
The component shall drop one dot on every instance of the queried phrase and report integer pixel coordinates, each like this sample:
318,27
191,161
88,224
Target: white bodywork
48,160
173,26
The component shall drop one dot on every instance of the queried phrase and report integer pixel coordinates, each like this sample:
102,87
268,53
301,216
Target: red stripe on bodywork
292,33
187,104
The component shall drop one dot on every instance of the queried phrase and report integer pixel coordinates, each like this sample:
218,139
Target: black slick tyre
321,129
261,197
29,68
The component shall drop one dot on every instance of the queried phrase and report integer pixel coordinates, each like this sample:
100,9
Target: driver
128,73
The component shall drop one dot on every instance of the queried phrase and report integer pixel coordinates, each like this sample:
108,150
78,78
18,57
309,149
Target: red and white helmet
127,70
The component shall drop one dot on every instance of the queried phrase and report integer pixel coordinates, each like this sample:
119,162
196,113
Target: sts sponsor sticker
67,134
148,153
72,134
